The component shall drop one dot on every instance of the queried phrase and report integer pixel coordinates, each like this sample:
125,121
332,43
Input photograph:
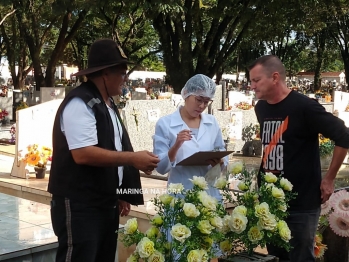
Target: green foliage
186,215
326,146
258,216
249,131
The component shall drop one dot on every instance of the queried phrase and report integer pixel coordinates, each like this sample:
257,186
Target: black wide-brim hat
103,53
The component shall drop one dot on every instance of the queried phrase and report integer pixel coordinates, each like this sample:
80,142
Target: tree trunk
321,45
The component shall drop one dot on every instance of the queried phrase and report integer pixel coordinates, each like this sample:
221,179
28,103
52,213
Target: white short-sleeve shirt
78,123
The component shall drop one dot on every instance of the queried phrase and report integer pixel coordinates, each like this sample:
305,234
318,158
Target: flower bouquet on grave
334,214
258,216
187,227
37,156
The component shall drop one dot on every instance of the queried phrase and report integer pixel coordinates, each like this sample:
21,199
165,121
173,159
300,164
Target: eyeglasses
199,101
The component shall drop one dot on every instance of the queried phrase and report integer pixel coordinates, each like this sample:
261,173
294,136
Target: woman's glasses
199,101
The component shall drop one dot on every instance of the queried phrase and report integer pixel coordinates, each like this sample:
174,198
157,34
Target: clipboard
200,158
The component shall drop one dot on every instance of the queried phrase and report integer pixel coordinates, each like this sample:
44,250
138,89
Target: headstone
135,95
34,126
51,93
225,119
218,98
140,117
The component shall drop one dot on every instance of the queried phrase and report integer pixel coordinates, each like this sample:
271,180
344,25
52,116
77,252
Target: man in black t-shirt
290,124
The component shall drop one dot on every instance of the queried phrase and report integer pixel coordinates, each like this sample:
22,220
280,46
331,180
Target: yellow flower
225,246
207,200
278,193
270,177
199,181
254,234
285,184
194,256
285,233
209,241
217,222
180,232
132,258
220,183
190,210
268,222
130,226
242,186
237,223
156,257
33,159
205,227
166,199
242,210
236,168
152,232
262,210
145,247
157,220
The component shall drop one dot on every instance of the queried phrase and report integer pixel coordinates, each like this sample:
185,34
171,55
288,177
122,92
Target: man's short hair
270,64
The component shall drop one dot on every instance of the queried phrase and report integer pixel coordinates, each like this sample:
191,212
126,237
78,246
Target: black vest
92,185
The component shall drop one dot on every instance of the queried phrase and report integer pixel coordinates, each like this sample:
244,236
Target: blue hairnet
199,85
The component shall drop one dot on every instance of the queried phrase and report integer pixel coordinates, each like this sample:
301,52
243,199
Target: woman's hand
184,135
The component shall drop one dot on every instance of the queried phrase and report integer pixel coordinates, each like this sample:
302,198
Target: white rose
145,247
236,168
242,210
180,232
190,210
254,234
220,183
217,222
175,188
270,177
207,201
166,199
130,226
278,193
156,257
205,227
285,184
200,182
262,210
237,223
268,222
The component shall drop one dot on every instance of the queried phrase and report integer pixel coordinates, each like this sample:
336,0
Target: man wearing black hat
92,157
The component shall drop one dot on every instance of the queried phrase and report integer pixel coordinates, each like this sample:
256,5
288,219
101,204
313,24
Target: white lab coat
209,138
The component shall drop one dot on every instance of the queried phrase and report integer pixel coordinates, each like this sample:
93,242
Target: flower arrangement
335,214
187,227
12,140
258,216
21,105
37,157
326,146
3,114
243,106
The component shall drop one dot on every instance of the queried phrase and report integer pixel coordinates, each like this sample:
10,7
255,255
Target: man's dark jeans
303,227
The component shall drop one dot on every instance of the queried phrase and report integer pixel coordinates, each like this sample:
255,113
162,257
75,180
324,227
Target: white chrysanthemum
340,202
339,224
199,181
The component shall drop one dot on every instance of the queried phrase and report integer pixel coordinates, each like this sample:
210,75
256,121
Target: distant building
338,77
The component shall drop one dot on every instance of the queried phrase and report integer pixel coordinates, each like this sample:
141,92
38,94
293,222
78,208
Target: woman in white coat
187,131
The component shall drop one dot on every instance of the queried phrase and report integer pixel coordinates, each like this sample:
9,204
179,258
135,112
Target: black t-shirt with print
294,124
